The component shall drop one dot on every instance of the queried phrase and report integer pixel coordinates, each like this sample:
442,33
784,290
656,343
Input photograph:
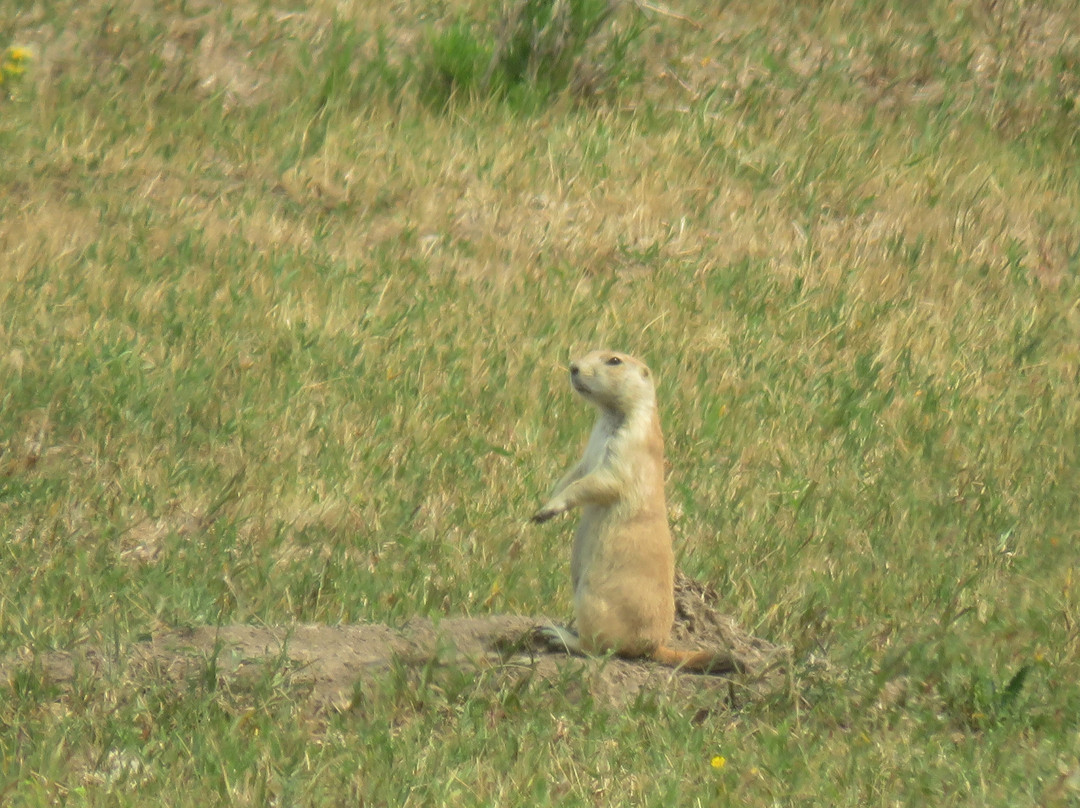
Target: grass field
287,291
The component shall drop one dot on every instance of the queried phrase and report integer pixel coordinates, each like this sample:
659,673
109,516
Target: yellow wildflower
14,63
718,762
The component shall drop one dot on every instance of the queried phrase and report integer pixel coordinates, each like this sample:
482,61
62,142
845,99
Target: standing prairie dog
622,566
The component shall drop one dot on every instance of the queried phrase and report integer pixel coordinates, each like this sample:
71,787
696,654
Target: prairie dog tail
699,661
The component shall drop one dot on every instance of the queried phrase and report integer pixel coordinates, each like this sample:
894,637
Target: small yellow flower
14,63
718,762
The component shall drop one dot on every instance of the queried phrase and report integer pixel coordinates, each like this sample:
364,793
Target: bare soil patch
332,664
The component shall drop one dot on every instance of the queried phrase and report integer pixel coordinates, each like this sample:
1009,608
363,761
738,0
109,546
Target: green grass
280,341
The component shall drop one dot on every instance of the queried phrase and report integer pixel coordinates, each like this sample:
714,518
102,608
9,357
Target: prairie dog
622,566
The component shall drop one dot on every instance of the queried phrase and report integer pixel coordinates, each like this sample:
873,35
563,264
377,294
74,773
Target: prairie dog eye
613,360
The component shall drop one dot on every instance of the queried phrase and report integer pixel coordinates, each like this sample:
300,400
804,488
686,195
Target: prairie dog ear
645,372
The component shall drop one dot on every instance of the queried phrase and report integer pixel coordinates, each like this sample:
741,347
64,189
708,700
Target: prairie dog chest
601,447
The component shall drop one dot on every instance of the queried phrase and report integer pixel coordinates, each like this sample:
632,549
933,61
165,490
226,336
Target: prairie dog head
613,381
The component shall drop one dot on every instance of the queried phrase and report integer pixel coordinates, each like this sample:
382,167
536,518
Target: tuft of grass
533,51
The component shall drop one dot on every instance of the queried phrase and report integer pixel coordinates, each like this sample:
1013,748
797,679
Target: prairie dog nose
574,369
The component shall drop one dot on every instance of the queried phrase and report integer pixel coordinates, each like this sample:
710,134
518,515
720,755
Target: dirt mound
334,663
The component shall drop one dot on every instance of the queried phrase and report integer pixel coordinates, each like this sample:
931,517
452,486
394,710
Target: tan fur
622,566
